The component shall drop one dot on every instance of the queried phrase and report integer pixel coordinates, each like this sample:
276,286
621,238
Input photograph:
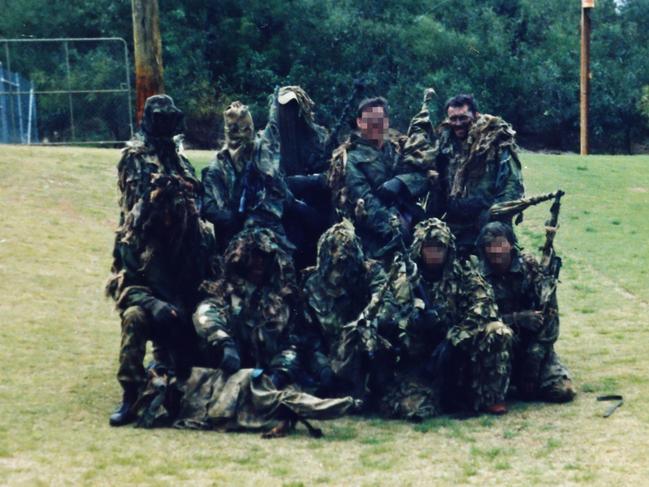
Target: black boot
124,413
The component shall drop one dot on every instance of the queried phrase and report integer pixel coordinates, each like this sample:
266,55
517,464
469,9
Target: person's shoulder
530,263
487,124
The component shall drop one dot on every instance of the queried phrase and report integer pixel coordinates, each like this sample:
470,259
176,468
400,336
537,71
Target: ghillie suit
253,308
162,255
304,156
353,316
537,372
247,400
455,341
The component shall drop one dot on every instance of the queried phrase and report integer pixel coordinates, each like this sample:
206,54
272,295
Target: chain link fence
65,91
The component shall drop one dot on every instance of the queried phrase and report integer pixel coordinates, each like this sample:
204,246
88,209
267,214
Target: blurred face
433,256
461,119
499,253
373,125
256,271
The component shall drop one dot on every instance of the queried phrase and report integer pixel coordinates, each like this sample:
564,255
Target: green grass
59,339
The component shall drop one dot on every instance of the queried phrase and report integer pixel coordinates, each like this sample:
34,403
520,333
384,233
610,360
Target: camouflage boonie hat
161,106
339,243
432,230
306,104
238,123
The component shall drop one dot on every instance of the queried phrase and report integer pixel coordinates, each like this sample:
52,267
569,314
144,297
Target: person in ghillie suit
163,253
250,315
454,337
527,301
153,152
243,185
475,156
305,150
303,142
352,315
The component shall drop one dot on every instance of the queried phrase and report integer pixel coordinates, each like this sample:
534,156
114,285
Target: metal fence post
4,136
67,67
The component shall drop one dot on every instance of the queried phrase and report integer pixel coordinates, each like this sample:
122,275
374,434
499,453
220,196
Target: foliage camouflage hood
487,135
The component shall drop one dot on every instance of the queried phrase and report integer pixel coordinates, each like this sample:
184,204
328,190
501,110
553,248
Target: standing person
164,252
478,166
454,337
519,284
305,150
243,184
377,186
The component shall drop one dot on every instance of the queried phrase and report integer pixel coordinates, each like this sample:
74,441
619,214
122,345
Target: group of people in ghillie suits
303,279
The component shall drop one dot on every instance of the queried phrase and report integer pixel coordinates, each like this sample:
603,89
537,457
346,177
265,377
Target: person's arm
377,215
509,177
215,206
477,305
421,147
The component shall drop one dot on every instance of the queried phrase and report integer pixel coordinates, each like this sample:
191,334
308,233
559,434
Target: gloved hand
230,361
161,311
429,319
390,190
467,208
528,320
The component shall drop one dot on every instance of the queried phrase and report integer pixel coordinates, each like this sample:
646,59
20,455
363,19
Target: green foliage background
520,58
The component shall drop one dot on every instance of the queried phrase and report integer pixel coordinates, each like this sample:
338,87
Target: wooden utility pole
586,6
148,53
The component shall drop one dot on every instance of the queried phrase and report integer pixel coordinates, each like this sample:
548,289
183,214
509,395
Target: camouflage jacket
523,288
153,270
139,163
464,302
245,188
366,169
485,164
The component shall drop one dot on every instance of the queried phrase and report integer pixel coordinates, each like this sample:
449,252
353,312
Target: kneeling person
455,329
520,286
250,313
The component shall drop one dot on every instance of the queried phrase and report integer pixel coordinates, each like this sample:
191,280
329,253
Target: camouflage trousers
137,330
410,398
550,380
488,364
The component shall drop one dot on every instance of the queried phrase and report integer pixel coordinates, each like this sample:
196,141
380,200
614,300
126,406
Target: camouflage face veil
239,127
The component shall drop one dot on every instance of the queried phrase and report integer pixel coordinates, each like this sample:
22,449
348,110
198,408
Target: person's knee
134,321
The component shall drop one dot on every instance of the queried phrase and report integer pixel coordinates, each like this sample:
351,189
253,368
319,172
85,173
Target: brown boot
497,409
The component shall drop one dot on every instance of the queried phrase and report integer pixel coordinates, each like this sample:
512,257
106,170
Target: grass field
59,340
